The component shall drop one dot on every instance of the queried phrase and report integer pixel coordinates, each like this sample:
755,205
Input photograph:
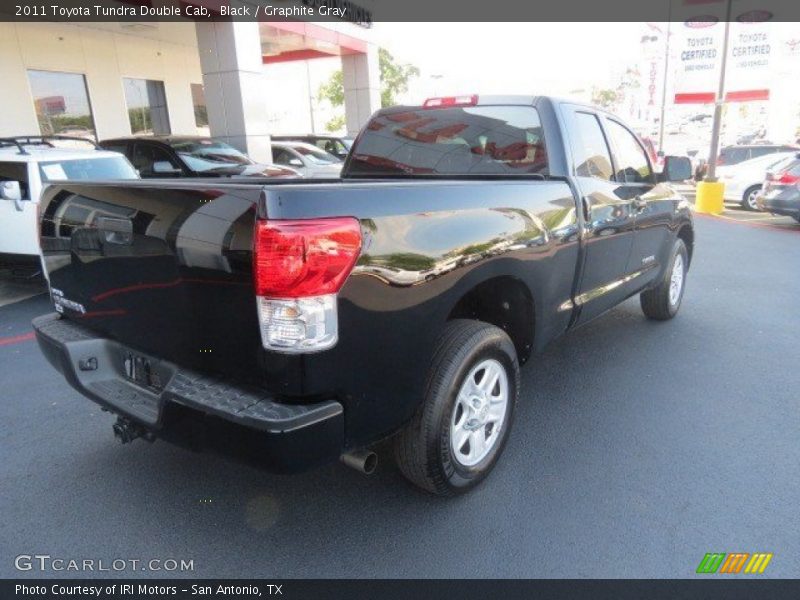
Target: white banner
698,43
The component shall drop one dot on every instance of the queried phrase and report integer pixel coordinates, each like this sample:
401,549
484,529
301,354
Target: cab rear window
466,140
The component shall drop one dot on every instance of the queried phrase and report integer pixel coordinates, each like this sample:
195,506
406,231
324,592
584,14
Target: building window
147,106
62,103
199,102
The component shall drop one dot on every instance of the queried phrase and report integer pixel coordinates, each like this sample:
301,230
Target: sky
512,58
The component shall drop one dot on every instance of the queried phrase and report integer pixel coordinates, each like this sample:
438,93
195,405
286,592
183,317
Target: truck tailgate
164,268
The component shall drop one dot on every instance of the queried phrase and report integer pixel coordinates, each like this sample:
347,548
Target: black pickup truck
296,322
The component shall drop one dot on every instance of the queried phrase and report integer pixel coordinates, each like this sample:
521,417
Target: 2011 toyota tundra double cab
292,323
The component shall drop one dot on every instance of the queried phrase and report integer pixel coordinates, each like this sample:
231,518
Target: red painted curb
17,339
748,223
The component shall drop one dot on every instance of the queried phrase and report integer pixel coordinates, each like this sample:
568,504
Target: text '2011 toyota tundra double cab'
292,323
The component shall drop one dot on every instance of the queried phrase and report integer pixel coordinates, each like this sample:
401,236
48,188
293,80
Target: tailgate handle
115,231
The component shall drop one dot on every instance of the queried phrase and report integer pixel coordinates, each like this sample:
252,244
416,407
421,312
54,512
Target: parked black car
292,323
733,155
167,156
334,144
781,192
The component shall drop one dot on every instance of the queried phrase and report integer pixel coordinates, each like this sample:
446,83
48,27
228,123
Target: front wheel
750,196
460,430
663,301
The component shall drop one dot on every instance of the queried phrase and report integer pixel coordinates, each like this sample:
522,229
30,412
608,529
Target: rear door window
590,154
281,156
732,156
334,147
146,155
462,140
121,147
762,151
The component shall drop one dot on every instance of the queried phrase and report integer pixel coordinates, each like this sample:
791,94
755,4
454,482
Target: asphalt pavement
637,448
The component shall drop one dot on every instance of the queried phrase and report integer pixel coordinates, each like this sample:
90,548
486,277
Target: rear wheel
663,301
749,197
461,428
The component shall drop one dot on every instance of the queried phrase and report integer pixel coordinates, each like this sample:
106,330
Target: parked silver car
309,160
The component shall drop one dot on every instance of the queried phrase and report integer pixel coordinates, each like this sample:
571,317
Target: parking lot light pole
710,196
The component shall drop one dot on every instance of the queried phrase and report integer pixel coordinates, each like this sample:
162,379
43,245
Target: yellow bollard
709,197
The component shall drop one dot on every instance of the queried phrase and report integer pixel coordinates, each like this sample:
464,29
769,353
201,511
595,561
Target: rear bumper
192,409
780,206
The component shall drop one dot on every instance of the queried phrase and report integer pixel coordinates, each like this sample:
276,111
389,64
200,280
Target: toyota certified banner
698,44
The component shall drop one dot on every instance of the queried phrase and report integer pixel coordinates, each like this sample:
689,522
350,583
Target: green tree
611,98
605,98
333,89
336,123
394,77
394,80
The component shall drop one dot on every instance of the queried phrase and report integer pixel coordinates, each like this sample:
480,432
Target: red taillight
451,101
296,259
786,178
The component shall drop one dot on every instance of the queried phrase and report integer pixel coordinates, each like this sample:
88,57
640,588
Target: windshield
111,167
207,155
316,156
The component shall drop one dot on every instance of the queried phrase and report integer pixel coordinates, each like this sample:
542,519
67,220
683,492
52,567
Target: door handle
639,204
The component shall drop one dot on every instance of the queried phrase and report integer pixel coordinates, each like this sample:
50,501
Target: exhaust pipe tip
126,431
365,461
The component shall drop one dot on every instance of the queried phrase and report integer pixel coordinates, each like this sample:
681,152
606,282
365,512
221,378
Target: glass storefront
147,106
199,103
62,103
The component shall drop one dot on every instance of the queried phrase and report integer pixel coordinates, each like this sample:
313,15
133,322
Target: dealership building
182,77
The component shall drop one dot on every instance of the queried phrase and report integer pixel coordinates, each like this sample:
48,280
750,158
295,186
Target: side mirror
164,167
10,190
295,162
676,168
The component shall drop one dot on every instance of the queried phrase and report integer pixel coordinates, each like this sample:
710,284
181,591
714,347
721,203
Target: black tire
745,201
423,449
656,302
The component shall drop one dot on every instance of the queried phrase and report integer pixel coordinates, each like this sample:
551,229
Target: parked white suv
27,164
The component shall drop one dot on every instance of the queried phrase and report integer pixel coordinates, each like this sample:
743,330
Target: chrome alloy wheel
479,412
752,204
676,280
